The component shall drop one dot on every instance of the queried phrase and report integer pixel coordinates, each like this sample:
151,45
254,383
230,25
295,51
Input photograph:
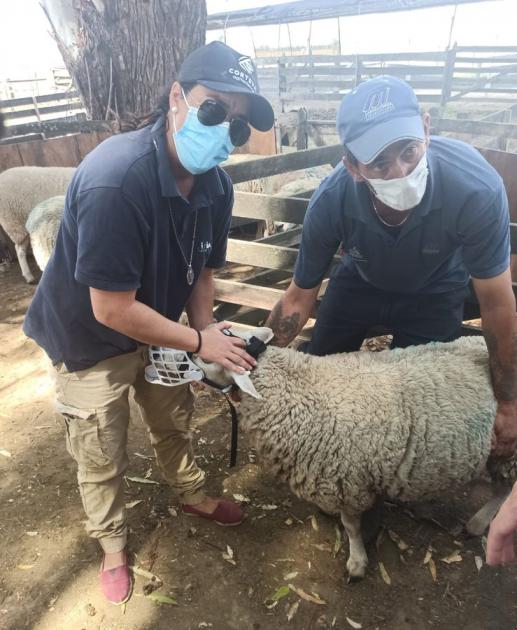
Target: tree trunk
122,54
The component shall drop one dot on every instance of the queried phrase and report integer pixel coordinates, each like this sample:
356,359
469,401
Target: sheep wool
406,423
22,188
43,225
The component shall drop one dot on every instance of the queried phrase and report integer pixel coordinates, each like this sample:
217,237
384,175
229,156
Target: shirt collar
207,186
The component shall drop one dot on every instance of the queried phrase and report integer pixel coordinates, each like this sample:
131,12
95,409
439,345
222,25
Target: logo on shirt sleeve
355,254
205,247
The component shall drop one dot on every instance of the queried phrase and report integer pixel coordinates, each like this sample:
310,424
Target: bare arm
497,303
500,545
120,311
291,312
201,303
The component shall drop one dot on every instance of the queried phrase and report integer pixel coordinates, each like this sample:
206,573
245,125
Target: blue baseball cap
378,113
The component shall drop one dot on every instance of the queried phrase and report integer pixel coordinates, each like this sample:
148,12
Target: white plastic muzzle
171,367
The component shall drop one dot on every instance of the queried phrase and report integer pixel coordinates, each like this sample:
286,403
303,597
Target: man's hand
504,437
216,347
500,547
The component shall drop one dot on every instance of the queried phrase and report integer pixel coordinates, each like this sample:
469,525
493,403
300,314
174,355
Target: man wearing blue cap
416,217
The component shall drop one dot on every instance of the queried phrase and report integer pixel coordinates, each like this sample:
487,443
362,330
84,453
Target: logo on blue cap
377,103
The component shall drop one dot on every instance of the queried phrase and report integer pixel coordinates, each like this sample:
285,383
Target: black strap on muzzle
255,348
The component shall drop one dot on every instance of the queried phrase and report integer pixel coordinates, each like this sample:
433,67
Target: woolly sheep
342,430
22,188
42,226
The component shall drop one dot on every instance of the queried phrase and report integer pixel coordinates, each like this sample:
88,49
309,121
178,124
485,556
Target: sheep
22,188
42,226
406,424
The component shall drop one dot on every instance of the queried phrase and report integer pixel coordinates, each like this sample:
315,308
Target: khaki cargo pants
95,406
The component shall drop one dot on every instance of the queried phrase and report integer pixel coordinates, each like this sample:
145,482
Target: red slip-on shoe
116,584
226,513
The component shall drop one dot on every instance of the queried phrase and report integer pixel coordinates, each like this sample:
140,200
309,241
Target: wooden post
358,70
282,82
448,75
302,141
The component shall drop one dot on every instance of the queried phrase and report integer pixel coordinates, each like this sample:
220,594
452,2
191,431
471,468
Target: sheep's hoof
356,570
32,281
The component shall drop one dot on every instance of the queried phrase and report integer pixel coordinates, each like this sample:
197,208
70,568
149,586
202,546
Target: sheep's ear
244,383
264,334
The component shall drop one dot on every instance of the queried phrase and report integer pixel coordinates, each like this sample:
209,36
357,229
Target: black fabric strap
235,432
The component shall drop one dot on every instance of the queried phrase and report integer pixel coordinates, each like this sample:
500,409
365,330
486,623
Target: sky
27,48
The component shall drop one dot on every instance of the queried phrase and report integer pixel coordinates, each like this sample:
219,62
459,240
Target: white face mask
402,193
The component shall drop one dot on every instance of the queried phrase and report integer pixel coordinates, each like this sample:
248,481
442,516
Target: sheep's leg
21,252
482,518
358,560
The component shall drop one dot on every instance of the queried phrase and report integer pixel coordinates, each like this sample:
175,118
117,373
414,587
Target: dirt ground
48,567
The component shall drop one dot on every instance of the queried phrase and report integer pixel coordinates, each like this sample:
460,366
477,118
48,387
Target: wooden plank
506,165
9,157
58,126
255,296
401,56
86,142
265,167
33,153
247,295
259,143
307,98
491,49
261,255
267,207
56,152
103,135
377,69
25,113
43,98
264,255
287,238
474,127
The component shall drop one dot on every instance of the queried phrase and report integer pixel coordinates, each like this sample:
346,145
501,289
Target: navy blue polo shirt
460,228
117,235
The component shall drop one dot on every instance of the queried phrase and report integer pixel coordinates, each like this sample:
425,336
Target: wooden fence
45,107
261,269
496,130
470,74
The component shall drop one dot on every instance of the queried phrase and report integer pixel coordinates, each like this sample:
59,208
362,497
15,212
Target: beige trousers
95,406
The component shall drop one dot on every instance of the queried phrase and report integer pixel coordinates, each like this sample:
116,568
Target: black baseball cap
221,68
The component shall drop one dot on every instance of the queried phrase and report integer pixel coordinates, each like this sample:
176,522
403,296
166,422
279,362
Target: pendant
190,276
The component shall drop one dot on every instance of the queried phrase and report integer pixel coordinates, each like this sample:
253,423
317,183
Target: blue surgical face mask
201,147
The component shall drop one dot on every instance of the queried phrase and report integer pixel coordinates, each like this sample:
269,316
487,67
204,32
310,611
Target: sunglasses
211,113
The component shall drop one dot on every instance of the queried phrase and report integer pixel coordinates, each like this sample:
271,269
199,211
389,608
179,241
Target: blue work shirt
117,235
460,228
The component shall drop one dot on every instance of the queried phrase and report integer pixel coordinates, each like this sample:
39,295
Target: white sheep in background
342,430
22,188
42,226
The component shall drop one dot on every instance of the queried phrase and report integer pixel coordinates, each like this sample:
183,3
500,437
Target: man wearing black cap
416,217
146,221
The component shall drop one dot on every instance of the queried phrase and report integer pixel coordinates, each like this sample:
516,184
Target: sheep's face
223,377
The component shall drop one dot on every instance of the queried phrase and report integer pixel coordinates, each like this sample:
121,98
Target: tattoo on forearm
504,370
285,328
